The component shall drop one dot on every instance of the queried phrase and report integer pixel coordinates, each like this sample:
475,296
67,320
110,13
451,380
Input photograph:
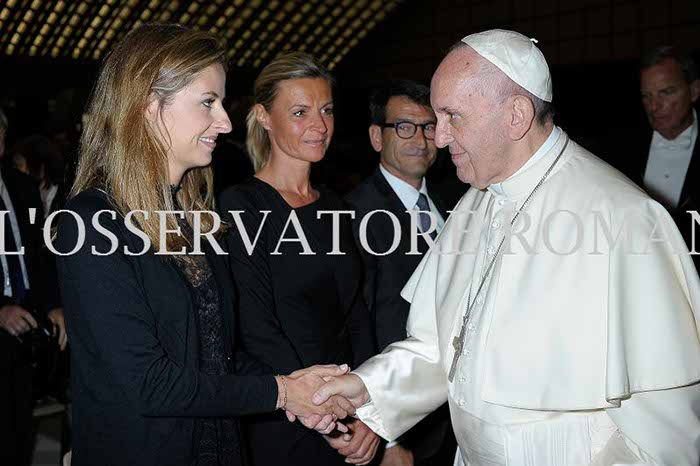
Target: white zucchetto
517,56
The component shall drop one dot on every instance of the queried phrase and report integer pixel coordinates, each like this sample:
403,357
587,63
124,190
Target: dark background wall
592,47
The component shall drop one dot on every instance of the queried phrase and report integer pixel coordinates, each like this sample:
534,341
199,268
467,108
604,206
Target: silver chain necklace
458,342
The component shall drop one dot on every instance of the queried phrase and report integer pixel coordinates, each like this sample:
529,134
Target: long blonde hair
295,65
120,151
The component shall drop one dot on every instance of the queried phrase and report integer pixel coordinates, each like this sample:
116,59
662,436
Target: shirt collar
683,141
521,178
407,193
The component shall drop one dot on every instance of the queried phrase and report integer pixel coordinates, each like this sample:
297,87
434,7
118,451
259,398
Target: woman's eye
298,113
208,103
328,111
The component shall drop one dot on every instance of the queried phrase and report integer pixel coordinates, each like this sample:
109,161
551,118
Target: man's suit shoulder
365,195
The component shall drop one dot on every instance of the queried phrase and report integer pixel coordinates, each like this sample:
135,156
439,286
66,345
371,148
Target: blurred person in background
668,165
39,157
28,308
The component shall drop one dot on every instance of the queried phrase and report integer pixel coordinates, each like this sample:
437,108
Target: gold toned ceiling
256,31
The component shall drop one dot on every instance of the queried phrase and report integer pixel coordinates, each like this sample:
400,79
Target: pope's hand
359,445
301,385
349,386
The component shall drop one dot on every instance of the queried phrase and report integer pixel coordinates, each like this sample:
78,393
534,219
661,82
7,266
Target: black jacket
131,323
24,194
386,275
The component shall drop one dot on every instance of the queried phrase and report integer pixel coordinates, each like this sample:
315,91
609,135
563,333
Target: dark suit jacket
135,349
384,280
24,193
386,275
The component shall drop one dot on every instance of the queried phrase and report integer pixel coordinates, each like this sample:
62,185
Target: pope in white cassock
567,339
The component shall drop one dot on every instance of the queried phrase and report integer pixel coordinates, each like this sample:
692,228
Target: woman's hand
300,385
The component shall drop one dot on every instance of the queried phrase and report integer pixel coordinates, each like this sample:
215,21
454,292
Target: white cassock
582,348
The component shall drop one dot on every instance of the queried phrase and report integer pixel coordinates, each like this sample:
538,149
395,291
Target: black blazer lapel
689,198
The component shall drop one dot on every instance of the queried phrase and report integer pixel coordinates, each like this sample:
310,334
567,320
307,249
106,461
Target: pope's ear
522,115
262,116
375,137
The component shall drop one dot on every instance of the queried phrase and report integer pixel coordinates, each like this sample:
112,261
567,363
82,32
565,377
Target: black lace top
217,444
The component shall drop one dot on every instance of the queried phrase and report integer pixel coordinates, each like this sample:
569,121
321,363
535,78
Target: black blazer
24,194
386,275
432,440
134,361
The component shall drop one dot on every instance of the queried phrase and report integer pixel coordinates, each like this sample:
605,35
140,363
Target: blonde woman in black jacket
155,377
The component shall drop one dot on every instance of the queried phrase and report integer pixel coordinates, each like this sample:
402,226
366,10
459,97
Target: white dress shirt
668,165
409,195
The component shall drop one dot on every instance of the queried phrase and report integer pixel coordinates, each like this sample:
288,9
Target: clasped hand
337,394
301,385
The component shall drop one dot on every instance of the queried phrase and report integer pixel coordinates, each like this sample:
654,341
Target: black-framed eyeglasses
406,129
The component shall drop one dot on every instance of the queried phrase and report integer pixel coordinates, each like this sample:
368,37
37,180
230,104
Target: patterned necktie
424,215
14,267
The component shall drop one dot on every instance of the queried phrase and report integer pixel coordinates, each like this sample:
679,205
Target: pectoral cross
458,345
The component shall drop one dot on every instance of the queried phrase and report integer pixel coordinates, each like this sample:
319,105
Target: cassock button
502,202
462,402
470,326
462,380
491,250
467,353
495,224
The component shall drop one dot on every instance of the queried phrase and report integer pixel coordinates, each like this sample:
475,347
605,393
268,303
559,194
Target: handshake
323,395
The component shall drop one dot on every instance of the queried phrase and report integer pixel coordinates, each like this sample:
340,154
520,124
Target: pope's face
667,97
469,120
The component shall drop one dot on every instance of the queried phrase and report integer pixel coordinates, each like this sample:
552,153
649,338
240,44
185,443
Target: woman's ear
152,109
262,116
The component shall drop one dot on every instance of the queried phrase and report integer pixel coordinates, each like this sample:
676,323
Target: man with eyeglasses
403,132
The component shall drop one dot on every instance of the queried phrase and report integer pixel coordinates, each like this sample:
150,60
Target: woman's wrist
281,391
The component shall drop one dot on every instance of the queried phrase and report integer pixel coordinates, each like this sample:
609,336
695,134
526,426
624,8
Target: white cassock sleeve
407,381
